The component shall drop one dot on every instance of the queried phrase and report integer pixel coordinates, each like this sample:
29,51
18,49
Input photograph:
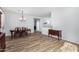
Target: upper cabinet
0,18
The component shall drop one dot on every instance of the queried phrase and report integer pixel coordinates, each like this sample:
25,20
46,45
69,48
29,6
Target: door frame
35,27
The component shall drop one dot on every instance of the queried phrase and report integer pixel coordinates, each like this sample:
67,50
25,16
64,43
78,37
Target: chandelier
22,15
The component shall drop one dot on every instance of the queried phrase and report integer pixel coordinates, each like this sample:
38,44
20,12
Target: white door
38,25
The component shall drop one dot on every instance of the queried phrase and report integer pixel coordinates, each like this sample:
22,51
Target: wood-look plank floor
34,43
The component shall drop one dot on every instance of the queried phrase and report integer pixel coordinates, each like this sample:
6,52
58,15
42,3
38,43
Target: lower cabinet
2,42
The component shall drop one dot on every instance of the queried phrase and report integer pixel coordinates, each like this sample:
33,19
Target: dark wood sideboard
2,41
55,33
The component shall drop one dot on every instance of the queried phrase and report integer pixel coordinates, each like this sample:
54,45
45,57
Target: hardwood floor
34,43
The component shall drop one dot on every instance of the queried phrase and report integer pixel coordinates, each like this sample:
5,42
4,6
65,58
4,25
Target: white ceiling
33,11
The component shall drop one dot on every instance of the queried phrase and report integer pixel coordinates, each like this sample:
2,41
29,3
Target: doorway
36,25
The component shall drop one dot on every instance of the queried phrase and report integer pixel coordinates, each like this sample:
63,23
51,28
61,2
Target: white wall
12,21
67,20
44,29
